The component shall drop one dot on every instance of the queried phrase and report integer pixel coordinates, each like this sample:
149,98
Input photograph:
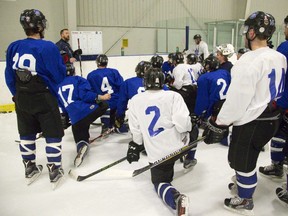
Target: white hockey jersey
257,78
183,75
161,120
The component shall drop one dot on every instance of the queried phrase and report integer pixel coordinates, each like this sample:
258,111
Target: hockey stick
81,178
178,152
129,174
80,61
109,131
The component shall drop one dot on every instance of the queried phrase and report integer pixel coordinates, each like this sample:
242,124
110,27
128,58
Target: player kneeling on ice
159,119
83,107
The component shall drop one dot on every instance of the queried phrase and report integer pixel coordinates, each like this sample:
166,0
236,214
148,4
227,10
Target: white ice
103,194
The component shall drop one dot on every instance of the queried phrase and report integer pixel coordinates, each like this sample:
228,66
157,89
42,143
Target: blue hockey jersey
40,57
212,87
77,98
283,101
106,80
166,67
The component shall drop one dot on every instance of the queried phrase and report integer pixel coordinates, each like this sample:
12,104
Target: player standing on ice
258,79
34,68
154,116
279,143
103,81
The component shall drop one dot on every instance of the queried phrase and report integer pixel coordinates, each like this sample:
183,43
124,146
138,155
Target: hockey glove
65,120
77,52
119,120
133,153
214,133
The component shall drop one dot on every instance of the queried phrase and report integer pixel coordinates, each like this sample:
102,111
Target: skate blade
240,211
54,185
272,177
34,177
187,170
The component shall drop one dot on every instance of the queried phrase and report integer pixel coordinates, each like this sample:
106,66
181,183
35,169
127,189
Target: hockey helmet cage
192,58
211,63
157,61
262,23
154,79
102,60
142,67
170,55
178,57
33,20
197,36
226,49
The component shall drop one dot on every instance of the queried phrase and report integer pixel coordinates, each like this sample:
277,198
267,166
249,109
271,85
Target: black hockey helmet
211,63
262,23
154,79
33,20
197,36
157,61
192,58
243,50
102,60
170,55
178,58
142,67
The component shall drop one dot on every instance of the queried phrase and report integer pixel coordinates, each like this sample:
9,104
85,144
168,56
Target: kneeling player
161,120
83,107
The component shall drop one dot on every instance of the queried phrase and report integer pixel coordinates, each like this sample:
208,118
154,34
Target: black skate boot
55,174
239,205
282,194
275,170
32,171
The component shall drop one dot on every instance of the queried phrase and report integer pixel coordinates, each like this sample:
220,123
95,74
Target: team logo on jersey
92,107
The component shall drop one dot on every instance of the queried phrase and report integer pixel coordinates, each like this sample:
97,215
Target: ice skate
282,194
55,174
273,171
182,205
82,152
188,164
239,205
32,171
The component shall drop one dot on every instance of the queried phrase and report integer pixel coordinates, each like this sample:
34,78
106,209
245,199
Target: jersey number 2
153,132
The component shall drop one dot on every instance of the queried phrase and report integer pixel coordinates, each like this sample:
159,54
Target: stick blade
72,173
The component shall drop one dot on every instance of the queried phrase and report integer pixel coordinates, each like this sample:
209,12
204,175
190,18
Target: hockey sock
191,153
105,119
167,193
53,151
277,144
246,183
28,147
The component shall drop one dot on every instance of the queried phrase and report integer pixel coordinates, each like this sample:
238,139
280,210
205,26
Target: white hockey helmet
226,49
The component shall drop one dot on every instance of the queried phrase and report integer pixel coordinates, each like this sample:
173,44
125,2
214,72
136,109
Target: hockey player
279,141
200,48
224,52
105,80
197,68
167,68
34,67
157,61
212,88
83,107
257,80
184,83
128,89
155,115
